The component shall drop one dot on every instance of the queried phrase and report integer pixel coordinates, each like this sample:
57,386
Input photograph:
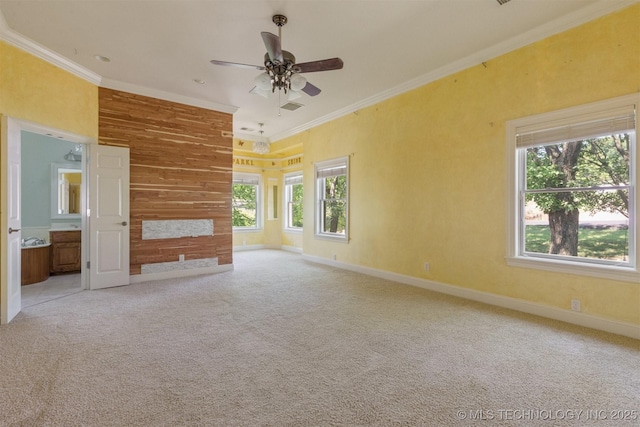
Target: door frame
24,125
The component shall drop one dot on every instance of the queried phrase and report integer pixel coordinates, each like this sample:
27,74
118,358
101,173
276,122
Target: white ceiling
159,47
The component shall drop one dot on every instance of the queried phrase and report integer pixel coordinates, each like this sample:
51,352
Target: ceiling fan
280,69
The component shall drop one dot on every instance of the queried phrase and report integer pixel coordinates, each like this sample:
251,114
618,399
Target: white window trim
285,208
327,164
629,273
259,207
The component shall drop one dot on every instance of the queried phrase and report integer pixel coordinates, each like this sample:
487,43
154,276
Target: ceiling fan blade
311,90
235,64
321,65
272,43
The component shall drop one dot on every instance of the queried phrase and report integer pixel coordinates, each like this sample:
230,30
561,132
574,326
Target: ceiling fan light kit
280,69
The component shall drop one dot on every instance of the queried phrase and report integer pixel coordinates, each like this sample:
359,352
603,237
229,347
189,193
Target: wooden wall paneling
181,168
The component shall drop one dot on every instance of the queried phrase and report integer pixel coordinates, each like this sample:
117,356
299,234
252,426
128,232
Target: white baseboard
291,249
140,278
576,318
248,248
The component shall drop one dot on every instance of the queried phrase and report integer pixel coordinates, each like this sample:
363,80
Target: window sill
246,230
334,238
625,274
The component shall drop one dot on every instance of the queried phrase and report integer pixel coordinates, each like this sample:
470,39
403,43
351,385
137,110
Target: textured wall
181,169
32,89
284,157
428,168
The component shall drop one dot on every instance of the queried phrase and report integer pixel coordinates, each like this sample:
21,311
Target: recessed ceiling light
102,58
199,81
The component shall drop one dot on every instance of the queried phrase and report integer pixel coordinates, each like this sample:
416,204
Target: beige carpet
283,342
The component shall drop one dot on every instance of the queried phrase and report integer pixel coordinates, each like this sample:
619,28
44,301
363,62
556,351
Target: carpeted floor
283,342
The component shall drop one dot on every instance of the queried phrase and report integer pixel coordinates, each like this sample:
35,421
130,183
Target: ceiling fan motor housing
281,72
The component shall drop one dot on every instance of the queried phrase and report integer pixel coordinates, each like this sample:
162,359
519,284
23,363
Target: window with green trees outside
575,191
294,193
245,201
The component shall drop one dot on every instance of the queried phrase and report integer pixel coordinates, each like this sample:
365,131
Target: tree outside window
573,190
294,192
334,205
245,200
332,198
582,190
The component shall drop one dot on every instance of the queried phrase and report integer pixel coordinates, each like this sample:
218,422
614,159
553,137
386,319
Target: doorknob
124,223
13,230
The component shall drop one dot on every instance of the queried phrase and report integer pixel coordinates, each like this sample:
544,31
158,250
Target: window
293,193
332,198
573,191
245,201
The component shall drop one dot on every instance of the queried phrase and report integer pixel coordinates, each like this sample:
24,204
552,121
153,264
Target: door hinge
88,265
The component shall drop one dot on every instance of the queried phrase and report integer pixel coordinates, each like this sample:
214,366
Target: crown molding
21,42
249,137
167,96
564,23
589,13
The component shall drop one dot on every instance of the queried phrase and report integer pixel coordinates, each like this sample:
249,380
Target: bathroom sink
33,242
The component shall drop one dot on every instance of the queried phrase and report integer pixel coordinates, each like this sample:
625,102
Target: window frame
339,162
516,178
288,195
239,176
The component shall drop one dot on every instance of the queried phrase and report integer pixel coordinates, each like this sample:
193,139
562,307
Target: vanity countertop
65,226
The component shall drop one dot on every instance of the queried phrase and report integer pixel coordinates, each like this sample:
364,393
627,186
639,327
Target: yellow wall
428,172
34,90
283,158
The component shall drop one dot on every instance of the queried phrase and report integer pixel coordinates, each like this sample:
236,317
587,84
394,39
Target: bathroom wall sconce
74,155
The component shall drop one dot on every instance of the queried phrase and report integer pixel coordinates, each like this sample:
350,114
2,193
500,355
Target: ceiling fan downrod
280,21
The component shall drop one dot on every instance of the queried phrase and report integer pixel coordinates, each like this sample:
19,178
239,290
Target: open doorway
52,188
104,239
12,132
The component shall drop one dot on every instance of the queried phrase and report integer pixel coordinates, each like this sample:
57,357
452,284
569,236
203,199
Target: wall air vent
291,106
501,2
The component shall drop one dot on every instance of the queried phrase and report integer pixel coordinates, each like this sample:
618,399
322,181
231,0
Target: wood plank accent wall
181,168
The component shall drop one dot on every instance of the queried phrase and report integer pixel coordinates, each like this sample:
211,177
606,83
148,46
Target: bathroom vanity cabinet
35,264
65,251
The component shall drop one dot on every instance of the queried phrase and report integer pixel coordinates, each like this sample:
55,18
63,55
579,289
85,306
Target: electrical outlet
426,266
181,257
334,257
244,243
575,305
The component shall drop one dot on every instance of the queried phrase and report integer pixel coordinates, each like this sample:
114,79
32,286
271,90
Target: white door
108,216
10,294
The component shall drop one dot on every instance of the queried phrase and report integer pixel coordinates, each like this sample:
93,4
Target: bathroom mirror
66,183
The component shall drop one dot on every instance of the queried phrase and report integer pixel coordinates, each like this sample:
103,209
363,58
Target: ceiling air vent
246,129
501,2
291,106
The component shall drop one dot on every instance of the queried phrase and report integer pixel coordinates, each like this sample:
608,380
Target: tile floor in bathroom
51,289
